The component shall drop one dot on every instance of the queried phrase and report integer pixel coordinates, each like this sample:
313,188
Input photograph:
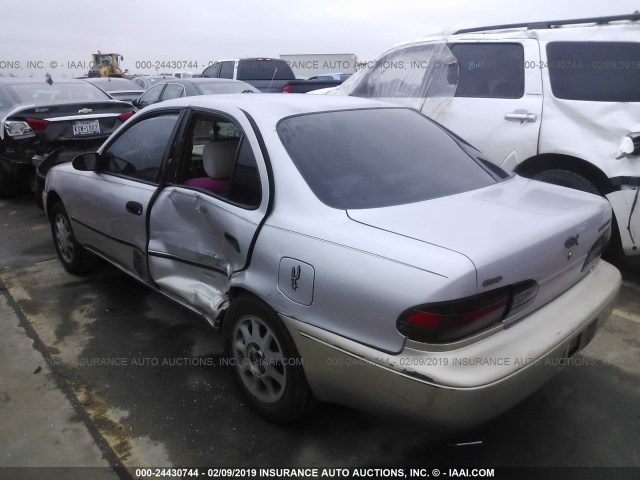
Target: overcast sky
64,31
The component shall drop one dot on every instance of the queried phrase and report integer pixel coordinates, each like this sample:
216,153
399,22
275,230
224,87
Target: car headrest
218,159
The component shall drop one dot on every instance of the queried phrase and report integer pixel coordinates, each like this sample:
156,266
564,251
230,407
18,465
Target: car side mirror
136,103
87,162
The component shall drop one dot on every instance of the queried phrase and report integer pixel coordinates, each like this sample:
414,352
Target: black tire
276,390
10,185
72,255
567,178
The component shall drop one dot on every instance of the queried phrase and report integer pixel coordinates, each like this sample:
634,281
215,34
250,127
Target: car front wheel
73,256
265,362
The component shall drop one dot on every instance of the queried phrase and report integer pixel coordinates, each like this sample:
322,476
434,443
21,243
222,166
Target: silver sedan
350,251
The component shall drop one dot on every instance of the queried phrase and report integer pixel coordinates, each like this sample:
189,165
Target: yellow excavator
105,65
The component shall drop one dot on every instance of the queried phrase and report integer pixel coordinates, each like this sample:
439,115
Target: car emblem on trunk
571,241
85,110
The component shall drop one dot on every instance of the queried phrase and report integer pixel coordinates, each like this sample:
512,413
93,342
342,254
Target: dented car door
110,205
203,222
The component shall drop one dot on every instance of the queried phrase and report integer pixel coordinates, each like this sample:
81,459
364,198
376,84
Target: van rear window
595,71
264,69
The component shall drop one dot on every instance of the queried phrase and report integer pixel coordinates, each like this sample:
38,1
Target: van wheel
73,256
265,362
567,178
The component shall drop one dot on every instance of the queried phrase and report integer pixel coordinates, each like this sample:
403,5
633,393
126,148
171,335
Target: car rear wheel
567,178
73,256
265,362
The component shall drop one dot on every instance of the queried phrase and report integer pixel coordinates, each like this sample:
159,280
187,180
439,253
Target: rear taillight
36,124
17,129
443,322
124,116
287,89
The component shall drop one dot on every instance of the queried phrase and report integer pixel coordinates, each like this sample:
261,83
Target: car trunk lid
514,231
73,121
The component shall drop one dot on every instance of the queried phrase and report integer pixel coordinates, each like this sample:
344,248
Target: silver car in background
351,251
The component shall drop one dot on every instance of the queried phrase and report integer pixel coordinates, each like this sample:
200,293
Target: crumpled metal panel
196,243
200,288
422,76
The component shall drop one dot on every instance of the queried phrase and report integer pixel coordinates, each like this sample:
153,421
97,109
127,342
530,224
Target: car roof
199,80
152,76
272,107
249,58
33,80
618,30
104,81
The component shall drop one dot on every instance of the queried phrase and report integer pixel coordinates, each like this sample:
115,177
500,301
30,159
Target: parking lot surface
147,383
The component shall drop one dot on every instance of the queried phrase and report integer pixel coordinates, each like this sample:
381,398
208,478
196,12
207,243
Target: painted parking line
126,451
626,315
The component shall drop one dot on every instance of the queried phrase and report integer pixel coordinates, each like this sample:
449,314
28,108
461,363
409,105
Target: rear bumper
459,389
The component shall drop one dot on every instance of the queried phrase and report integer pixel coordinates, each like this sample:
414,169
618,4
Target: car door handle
135,208
233,241
521,117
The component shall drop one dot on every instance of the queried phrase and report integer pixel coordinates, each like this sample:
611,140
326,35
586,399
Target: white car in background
556,101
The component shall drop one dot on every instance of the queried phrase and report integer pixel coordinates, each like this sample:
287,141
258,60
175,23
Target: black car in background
269,75
48,121
118,88
189,87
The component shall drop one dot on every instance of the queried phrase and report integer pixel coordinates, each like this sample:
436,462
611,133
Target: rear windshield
256,69
116,84
378,158
206,88
43,92
596,71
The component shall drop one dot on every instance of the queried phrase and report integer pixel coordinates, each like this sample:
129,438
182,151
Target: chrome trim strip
84,117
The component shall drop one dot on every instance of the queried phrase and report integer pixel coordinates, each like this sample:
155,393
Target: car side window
245,183
213,71
218,160
490,70
152,96
139,151
226,71
172,90
140,82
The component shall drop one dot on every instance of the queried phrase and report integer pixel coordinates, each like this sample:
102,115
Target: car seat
218,159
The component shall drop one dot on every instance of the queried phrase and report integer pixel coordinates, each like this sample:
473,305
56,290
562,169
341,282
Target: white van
556,101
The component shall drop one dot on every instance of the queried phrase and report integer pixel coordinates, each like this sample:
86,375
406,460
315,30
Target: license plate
86,127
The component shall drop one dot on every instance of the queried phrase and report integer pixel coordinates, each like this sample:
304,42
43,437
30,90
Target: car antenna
48,79
274,76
